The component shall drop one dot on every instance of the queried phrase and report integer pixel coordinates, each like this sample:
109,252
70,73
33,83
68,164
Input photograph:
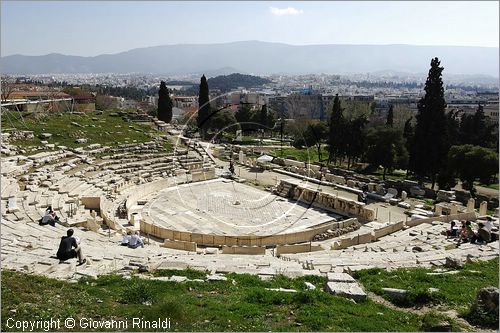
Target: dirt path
423,310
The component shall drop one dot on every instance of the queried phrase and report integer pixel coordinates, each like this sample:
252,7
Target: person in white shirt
488,225
126,238
48,218
135,241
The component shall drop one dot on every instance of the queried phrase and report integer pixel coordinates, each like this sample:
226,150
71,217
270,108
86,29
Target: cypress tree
430,145
203,105
390,116
164,103
336,131
263,115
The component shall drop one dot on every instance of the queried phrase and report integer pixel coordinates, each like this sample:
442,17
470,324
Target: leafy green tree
336,136
271,119
103,102
453,126
474,129
245,117
203,106
386,148
315,135
164,103
430,144
223,121
469,162
355,139
390,116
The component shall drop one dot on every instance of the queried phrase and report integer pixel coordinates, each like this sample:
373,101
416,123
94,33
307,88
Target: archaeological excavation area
190,217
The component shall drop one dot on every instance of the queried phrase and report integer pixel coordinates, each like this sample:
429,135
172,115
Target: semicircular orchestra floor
224,207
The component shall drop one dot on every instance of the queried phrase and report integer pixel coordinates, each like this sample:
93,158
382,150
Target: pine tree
164,103
203,106
390,117
430,145
336,132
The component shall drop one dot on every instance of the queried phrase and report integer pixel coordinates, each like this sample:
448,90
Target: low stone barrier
253,250
445,218
353,240
180,245
149,227
391,228
297,248
203,175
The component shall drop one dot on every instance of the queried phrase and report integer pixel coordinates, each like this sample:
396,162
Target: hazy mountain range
264,58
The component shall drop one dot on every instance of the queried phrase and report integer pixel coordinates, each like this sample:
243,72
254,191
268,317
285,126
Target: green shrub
137,291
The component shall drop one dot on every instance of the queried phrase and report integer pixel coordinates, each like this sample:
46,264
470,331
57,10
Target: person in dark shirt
69,248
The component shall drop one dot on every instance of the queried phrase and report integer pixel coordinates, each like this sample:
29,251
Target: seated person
466,232
482,235
453,231
126,237
69,248
488,225
135,241
48,218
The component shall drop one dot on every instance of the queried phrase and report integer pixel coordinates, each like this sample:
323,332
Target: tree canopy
164,103
430,144
223,121
386,148
314,135
203,105
474,129
469,162
336,131
390,116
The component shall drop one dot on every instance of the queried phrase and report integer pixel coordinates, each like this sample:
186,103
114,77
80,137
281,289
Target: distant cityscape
291,96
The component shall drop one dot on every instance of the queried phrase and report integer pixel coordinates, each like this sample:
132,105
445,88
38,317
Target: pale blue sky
94,27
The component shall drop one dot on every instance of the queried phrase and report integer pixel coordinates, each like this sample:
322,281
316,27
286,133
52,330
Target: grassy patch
303,155
66,128
239,304
395,175
457,291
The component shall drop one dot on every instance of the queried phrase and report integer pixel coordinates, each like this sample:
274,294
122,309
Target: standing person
135,241
69,248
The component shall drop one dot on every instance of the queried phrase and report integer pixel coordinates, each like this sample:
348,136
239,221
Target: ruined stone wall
331,202
147,226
